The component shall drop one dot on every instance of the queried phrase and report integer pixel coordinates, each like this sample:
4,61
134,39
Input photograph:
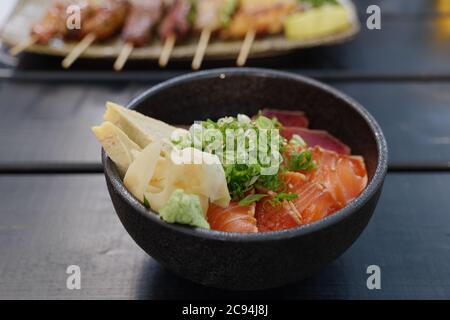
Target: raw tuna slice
317,138
287,118
234,218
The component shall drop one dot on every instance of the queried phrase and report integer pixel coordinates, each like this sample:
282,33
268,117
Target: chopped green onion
296,140
302,161
283,196
319,3
248,200
241,139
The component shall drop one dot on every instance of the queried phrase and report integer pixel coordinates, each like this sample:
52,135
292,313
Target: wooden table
55,210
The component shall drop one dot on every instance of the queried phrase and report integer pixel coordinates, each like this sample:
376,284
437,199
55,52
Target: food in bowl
252,261
245,174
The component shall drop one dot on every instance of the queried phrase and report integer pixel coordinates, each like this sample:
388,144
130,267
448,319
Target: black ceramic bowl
263,260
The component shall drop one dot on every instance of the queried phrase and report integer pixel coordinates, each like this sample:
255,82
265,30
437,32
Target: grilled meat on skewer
260,16
142,18
53,23
87,10
207,20
211,15
176,22
107,20
208,14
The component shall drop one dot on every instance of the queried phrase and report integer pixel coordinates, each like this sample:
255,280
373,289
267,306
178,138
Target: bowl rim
374,185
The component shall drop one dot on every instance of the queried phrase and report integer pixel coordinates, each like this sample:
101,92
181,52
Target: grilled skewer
211,15
22,46
257,17
107,19
142,18
246,48
175,25
262,16
102,19
51,25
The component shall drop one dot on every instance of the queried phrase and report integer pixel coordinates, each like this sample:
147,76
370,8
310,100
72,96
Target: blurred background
413,39
55,210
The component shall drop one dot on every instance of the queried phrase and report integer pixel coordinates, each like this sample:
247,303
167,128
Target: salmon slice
317,138
324,205
234,218
313,203
337,180
287,118
276,217
344,176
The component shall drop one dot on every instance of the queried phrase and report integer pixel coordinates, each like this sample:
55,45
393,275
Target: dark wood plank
414,117
51,122
47,126
409,46
50,222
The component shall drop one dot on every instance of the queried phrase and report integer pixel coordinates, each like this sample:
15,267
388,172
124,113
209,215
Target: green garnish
282,196
301,161
263,122
227,11
272,182
319,3
192,14
248,200
247,164
243,175
240,178
146,203
296,140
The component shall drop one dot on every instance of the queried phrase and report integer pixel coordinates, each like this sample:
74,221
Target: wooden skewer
78,50
201,48
24,45
167,50
246,47
123,56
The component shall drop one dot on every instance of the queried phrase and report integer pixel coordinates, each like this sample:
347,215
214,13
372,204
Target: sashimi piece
317,138
314,201
323,205
344,176
287,118
234,218
276,217
353,175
